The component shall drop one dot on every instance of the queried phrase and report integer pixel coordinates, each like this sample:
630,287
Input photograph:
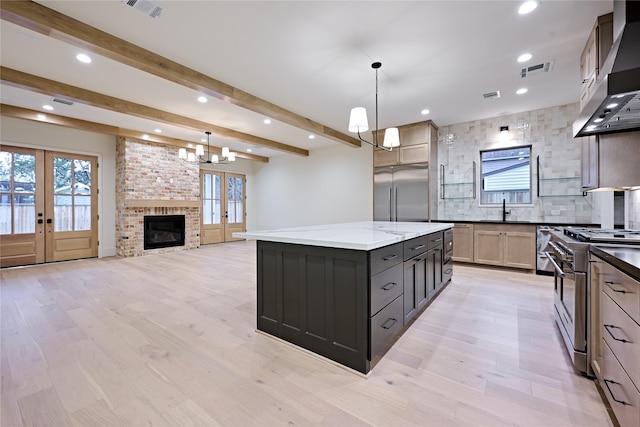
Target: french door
223,206
48,206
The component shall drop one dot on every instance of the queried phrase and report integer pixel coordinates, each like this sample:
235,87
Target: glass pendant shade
225,152
191,157
231,157
214,158
391,138
182,153
358,120
199,150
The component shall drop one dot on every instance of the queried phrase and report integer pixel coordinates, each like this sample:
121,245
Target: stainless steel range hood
615,102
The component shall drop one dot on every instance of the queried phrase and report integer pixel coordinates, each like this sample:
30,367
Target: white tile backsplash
549,132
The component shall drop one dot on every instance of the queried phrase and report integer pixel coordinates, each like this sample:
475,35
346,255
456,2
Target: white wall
333,184
24,133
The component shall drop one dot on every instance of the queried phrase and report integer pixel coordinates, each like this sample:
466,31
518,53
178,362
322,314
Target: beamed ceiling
303,65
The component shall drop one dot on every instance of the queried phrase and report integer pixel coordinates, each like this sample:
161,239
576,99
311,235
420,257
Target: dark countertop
625,258
497,221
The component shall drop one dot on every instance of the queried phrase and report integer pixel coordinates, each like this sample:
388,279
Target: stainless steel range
569,256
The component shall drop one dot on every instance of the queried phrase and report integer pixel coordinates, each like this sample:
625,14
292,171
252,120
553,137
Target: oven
569,254
570,300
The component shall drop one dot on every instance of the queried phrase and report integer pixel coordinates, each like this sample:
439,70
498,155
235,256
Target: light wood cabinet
418,142
507,245
463,242
616,360
589,162
594,54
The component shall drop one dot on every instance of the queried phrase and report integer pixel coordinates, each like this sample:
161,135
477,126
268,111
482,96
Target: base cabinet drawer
385,325
622,335
623,289
623,397
385,287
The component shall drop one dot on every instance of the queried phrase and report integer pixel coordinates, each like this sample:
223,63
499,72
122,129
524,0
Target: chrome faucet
505,212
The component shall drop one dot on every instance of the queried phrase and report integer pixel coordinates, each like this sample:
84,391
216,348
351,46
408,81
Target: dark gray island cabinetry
341,291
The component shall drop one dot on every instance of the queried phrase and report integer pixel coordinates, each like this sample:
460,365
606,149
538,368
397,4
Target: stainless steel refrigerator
401,193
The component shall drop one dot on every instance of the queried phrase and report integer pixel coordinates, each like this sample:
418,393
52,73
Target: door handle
555,265
610,286
389,286
607,382
389,323
610,333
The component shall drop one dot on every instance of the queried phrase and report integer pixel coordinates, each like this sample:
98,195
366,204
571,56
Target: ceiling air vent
537,69
63,101
491,95
148,7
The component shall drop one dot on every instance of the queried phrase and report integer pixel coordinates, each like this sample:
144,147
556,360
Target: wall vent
148,7
537,69
63,101
490,95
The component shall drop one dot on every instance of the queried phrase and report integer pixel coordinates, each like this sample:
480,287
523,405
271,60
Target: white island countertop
365,235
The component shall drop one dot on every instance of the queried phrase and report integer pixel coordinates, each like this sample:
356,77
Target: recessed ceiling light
41,117
528,7
312,137
190,145
83,58
598,120
158,130
47,107
522,90
249,150
524,57
425,112
266,121
145,136
202,99
203,140
613,105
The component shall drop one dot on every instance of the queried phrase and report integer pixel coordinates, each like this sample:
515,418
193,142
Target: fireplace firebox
163,231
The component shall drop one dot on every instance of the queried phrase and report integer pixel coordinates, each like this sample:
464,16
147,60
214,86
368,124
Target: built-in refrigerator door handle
395,203
390,206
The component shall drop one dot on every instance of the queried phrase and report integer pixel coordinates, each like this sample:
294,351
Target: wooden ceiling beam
27,114
53,88
46,21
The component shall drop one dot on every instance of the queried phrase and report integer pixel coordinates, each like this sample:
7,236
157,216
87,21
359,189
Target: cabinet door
412,275
434,271
589,163
463,242
487,247
519,250
414,154
384,157
416,134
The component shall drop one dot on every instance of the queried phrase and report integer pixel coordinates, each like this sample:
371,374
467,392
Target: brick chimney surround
152,180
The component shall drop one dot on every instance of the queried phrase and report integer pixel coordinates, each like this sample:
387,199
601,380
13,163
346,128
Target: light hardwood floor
170,340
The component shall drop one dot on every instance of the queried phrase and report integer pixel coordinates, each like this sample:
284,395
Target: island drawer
435,240
385,325
623,337
386,257
385,287
621,394
623,289
415,247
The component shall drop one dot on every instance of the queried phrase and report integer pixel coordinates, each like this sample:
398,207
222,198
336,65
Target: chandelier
358,123
199,156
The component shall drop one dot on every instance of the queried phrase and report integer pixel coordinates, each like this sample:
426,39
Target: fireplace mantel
161,203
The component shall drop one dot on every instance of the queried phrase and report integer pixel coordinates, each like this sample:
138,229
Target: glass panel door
71,217
21,206
223,206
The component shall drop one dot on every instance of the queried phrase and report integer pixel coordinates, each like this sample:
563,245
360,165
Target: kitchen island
346,291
